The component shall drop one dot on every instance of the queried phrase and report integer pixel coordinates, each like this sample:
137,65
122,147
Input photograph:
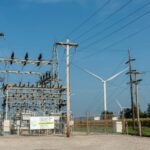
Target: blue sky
33,26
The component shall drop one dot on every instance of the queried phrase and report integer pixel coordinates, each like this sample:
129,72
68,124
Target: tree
148,110
109,115
143,114
127,113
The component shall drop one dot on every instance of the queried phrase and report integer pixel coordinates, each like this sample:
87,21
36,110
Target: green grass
145,131
95,129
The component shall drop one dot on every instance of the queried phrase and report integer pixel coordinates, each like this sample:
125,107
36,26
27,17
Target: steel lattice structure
45,97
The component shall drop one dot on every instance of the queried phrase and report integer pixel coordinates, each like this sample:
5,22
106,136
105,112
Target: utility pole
67,44
87,122
105,98
105,103
136,82
6,109
131,86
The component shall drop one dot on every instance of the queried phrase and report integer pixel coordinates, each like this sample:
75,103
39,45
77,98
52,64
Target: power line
115,23
116,42
96,25
113,94
117,30
118,66
89,18
95,100
116,87
118,94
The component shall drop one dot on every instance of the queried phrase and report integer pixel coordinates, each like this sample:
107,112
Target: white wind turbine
118,103
104,84
121,107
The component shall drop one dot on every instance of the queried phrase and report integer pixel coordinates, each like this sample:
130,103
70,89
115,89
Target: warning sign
37,123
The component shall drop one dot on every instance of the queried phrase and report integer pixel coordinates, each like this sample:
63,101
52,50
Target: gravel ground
77,142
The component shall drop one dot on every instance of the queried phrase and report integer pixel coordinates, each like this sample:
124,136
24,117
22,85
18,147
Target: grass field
99,127
145,131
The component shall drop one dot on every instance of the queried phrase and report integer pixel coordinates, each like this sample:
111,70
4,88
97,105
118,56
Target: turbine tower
105,84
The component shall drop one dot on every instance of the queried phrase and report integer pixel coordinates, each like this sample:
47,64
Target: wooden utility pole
131,86
136,82
123,120
6,106
67,44
87,122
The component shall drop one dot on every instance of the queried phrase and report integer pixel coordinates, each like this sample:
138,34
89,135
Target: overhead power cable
116,42
115,23
97,25
89,18
117,30
113,97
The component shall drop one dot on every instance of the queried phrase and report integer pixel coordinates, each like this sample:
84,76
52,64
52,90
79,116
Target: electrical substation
33,108
74,74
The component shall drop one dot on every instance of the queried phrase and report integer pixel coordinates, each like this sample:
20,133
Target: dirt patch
76,142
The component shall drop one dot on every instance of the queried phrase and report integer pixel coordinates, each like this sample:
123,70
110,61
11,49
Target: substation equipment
33,108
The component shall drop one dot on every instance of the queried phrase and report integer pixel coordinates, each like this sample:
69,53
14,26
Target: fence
93,124
89,125
145,124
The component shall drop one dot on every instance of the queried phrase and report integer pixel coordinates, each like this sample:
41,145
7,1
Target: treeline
128,112
145,122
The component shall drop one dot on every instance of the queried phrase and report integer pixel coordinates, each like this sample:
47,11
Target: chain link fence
93,124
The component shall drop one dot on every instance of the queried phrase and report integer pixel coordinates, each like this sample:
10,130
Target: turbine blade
96,76
116,75
118,104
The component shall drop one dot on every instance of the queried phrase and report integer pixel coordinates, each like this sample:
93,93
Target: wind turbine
121,108
123,115
104,84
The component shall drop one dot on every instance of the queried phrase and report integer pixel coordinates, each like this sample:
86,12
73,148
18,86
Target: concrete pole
67,45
